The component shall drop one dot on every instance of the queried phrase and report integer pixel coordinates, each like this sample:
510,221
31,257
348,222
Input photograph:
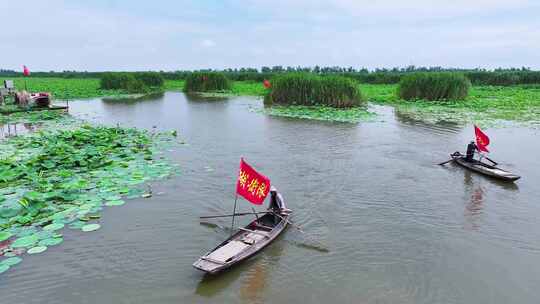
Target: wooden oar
322,247
446,162
302,245
494,162
457,153
229,215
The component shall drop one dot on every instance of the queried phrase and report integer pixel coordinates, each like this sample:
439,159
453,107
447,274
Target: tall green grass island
313,90
434,86
207,82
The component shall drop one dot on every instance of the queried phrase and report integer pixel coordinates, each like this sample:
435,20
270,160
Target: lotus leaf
115,203
26,231
11,261
51,241
90,227
4,235
77,225
44,234
4,268
26,241
53,227
9,212
37,249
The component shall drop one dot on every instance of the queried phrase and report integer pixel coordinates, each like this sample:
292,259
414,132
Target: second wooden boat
485,169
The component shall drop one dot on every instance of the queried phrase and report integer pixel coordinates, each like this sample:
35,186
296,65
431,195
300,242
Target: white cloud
382,33
208,43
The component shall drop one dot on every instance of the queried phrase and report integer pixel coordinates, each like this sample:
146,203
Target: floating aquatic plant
53,178
90,227
37,249
486,105
51,241
352,115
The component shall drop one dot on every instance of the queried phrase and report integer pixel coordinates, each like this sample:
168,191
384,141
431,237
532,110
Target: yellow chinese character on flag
261,190
253,185
242,178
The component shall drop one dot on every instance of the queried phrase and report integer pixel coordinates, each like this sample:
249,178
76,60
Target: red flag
253,186
267,84
482,140
26,71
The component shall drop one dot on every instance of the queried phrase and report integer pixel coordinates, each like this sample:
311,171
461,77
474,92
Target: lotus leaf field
74,88
486,105
324,113
62,177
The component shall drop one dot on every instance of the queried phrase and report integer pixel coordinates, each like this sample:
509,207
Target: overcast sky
175,34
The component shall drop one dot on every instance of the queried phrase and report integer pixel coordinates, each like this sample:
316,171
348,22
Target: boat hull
485,169
243,245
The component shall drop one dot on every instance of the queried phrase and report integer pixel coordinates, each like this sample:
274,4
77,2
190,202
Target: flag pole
234,212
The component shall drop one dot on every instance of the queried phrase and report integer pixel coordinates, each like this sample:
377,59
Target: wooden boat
483,168
41,99
247,242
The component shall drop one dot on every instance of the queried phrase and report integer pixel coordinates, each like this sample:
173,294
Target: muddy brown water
399,228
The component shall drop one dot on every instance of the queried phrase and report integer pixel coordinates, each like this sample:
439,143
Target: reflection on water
255,281
197,97
445,126
15,129
134,99
473,209
212,285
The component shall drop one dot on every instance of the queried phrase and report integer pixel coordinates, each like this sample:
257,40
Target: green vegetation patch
486,105
140,82
65,88
207,82
311,90
434,86
248,88
54,177
352,115
32,117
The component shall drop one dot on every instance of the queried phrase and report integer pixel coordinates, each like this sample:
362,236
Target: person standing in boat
471,148
277,204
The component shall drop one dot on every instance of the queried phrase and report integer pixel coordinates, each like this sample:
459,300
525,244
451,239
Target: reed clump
434,86
207,82
140,82
313,90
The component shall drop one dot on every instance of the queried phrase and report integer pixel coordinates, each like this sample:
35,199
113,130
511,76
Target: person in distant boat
471,148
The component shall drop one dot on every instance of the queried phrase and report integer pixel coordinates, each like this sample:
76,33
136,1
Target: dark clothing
277,205
469,157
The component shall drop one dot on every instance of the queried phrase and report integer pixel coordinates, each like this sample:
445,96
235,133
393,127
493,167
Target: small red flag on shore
26,71
252,185
482,140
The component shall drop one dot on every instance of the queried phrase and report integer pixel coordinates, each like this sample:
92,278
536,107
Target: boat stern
208,266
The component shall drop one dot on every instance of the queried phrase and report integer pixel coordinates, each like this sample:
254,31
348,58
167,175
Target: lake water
398,227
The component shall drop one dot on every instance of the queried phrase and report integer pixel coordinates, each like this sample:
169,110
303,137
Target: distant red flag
482,140
26,71
253,186
267,84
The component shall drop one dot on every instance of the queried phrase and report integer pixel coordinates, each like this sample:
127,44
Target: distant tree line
504,77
